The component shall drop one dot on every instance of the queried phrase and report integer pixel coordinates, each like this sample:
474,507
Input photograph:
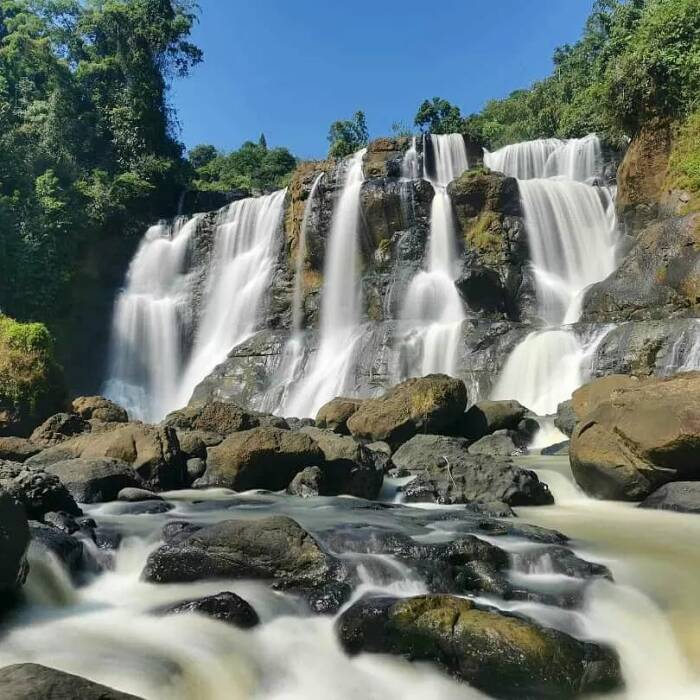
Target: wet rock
66,548
381,453
225,607
275,549
132,494
261,458
486,417
308,483
146,508
559,448
67,523
94,480
35,682
38,491
429,404
14,540
558,560
58,428
502,443
222,418
15,449
334,414
681,496
423,452
350,468
195,468
99,408
498,653
152,451
566,418
641,438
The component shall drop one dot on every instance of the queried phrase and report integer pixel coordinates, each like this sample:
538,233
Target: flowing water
433,309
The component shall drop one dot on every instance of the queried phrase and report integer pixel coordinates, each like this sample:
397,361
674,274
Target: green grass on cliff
684,163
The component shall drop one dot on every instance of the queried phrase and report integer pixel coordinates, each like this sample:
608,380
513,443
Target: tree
262,142
439,117
201,155
348,136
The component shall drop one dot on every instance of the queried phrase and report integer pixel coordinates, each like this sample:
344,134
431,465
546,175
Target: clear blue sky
289,68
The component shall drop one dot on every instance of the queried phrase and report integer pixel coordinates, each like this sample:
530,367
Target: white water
685,353
572,235
329,372
150,320
433,309
410,165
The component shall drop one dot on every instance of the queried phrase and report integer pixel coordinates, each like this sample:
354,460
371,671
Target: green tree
438,116
348,136
201,155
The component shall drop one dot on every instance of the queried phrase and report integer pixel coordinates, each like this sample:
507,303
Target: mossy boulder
32,385
500,654
334,414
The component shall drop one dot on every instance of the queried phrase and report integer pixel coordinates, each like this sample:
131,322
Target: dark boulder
680,496
486,417
66,548
225,607
502,443
566,418
58,428
132,494
14,540
95,480
308,483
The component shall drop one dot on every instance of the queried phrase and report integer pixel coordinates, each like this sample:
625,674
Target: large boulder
642,437
152,451
566,418
222,418
679,496
334,414
275,549
500,654
95,480
35,682
225,607
14,540
429,404
587,397
261,458
486,417
350,468
308,483
502,443
38,491
58,428
448,474
15,449
98,408
32,385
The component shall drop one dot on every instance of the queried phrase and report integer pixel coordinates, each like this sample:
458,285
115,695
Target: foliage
348,136
87,147
684,163
253,167
438,116
400,128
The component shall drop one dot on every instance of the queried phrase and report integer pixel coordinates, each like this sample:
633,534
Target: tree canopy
347,136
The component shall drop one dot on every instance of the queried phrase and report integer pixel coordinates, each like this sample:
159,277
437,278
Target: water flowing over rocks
504,655
226,607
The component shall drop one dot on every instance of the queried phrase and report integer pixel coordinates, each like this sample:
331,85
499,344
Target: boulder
131,494
308,483
35,682
98,408
679,496
334,414
558,449
587,397
194,443
566,418
221,418
195,468
500,654
58,428
225,607
502,443
14,540
486,417
448,474
95,480
429,404
261,458
349,467
38,491
274,548
153,452
66,548
15,449
642,437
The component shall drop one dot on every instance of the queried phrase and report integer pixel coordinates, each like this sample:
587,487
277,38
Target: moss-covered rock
501,654
383,157
32,386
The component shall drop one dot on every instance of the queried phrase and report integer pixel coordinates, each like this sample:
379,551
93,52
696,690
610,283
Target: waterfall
244,257
410,165
150,319
329,371
433,308
572,235
153,369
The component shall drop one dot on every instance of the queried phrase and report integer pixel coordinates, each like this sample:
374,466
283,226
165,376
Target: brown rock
99,408
334,414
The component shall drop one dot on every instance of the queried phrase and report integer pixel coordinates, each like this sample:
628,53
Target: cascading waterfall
150,320
245,252
152,369
433,308
572,237
329,371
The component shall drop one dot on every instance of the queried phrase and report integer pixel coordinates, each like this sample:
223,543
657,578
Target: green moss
484,234
684,163
32,386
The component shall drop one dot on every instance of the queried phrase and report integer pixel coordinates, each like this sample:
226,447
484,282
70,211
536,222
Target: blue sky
289,68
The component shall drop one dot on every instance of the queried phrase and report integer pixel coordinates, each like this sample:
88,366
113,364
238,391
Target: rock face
58,428
500,654
680,496
225,607
275,549
14,540
99,408
641,438
152,451
38,491
428,404
261,458
35,682
334,414
94,480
